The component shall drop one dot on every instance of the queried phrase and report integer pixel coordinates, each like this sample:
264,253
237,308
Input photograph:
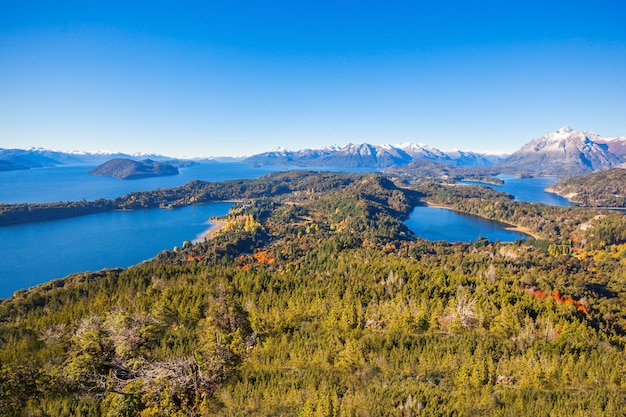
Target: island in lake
128,169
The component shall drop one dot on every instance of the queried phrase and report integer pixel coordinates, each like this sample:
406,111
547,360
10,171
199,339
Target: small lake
434,223
34,253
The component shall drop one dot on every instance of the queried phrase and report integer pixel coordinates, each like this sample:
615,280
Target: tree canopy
316,300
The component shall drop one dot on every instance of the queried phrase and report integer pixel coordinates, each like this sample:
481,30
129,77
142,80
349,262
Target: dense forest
314,299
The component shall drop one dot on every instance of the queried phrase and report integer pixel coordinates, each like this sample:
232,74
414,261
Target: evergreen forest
315,299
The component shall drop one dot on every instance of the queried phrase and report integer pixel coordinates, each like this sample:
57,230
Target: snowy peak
422,151
365,155
567,136
567,152
12,159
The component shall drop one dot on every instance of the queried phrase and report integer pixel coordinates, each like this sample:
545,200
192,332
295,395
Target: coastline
433,205
520,229
214,227
508,226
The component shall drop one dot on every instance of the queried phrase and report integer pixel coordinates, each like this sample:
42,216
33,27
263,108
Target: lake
38,252
33,253
74,183
530,190
435,223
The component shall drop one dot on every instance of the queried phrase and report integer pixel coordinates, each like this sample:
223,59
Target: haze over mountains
14,159
565,152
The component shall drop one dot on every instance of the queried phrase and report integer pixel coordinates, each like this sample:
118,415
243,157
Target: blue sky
237,78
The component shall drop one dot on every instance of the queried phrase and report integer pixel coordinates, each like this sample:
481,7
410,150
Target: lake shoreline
106,240
508,226
215,226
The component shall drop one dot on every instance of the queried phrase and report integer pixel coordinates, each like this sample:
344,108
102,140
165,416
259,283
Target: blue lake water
38,252
530,190
74,183
434,223
33,253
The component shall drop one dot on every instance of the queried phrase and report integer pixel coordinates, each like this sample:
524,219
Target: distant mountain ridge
566,152
365,155
15,159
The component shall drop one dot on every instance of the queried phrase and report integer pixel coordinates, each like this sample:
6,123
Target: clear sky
214,78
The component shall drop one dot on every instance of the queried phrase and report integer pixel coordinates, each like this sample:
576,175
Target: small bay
34,253
529,190
436,223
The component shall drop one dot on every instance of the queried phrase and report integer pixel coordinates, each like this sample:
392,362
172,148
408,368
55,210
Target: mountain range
14,159
566,152
371,156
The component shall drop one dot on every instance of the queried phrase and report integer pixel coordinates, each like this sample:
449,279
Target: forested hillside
128,169
194,192
315,300
599,189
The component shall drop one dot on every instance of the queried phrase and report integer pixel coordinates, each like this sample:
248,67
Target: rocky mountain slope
14,159
365,155
567,152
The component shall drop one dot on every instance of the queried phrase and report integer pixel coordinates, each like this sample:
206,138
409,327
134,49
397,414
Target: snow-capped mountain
12,159
423,151
561,153
615,145
351,155
365,155
567,152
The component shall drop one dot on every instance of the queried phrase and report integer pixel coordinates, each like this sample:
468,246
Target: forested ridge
599,189
194,192
126,169
315,300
